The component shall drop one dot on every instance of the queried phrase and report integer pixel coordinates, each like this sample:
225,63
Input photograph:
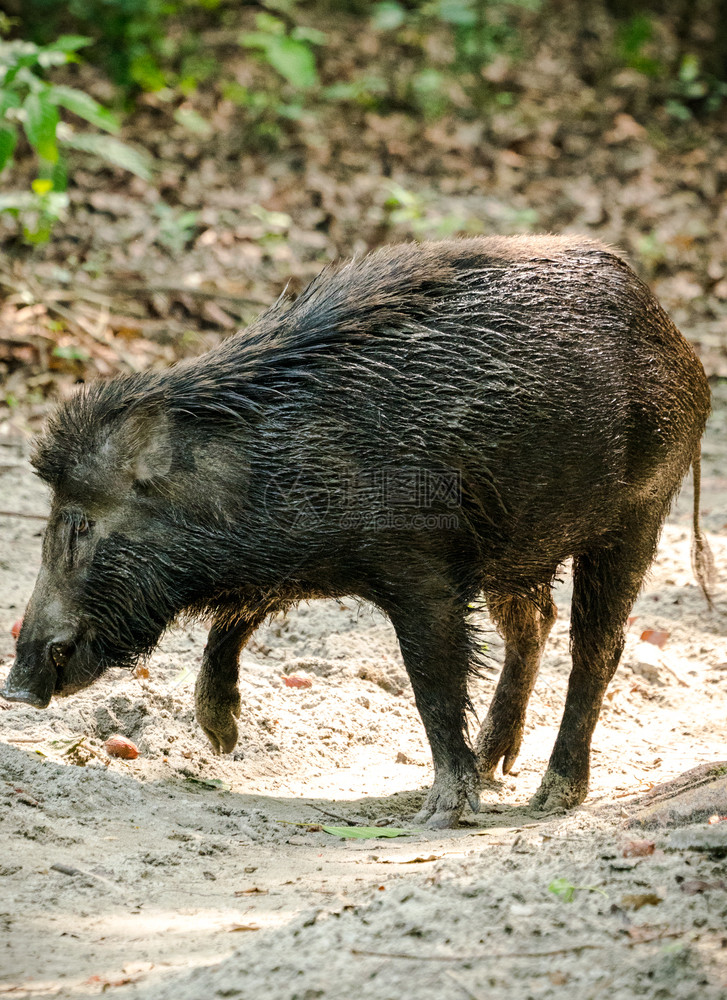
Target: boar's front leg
524,624
436,649
216,697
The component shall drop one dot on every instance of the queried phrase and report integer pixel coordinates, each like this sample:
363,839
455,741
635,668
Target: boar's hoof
493,747
222,740
217,719
446,800
558,792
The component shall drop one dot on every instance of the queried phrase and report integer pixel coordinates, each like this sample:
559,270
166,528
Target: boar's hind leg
216,697
436,650
525,625
606,583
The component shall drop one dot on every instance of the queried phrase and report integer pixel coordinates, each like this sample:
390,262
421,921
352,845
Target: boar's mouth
59,654
55,668
25,696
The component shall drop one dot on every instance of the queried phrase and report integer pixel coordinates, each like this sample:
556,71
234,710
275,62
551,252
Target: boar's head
115,568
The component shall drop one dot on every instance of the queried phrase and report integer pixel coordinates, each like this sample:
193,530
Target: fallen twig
70,870
127,291
69,317
568,949
20,513
484,956
341,819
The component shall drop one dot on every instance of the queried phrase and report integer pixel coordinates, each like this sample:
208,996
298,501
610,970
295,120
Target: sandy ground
184,875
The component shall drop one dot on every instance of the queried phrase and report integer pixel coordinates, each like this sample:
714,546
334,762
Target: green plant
175,229
414,212
632,39
290,53
693,84
131,39
480,29
31,104
566,891
367,91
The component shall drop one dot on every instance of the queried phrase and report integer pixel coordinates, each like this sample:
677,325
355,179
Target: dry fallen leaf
634,901
419,860
693,886
638,848
655,637
643,932
293,681
105,983
15,630
244,927
558,978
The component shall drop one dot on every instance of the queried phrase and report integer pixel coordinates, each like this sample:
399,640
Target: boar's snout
45,664
34,676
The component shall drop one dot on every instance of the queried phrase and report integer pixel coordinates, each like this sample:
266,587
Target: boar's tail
702,558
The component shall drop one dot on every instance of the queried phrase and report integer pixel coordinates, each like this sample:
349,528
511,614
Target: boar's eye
83,527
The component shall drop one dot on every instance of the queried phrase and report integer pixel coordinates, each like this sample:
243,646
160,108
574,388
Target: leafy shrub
30,104
130,38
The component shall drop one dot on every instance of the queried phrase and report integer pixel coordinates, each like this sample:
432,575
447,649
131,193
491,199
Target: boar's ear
141,443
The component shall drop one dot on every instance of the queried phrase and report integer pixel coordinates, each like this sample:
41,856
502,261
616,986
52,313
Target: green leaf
458,12
678,110
311,35
294,61
145,71
42,185
84,106
71,352
365,832
62,50
41,120
59,174
689,69
388,16
563,888
194,122
8,99
113,151
8,139
255,39
15,56
566,890
68,43
269,25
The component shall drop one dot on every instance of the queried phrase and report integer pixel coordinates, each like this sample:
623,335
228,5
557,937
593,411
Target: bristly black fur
420,426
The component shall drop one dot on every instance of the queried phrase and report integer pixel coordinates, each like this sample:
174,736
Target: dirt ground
185,875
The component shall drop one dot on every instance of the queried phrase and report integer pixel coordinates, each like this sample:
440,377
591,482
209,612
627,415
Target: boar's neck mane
396,289
396,293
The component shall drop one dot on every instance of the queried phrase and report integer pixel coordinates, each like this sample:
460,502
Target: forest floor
185,875
181,875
